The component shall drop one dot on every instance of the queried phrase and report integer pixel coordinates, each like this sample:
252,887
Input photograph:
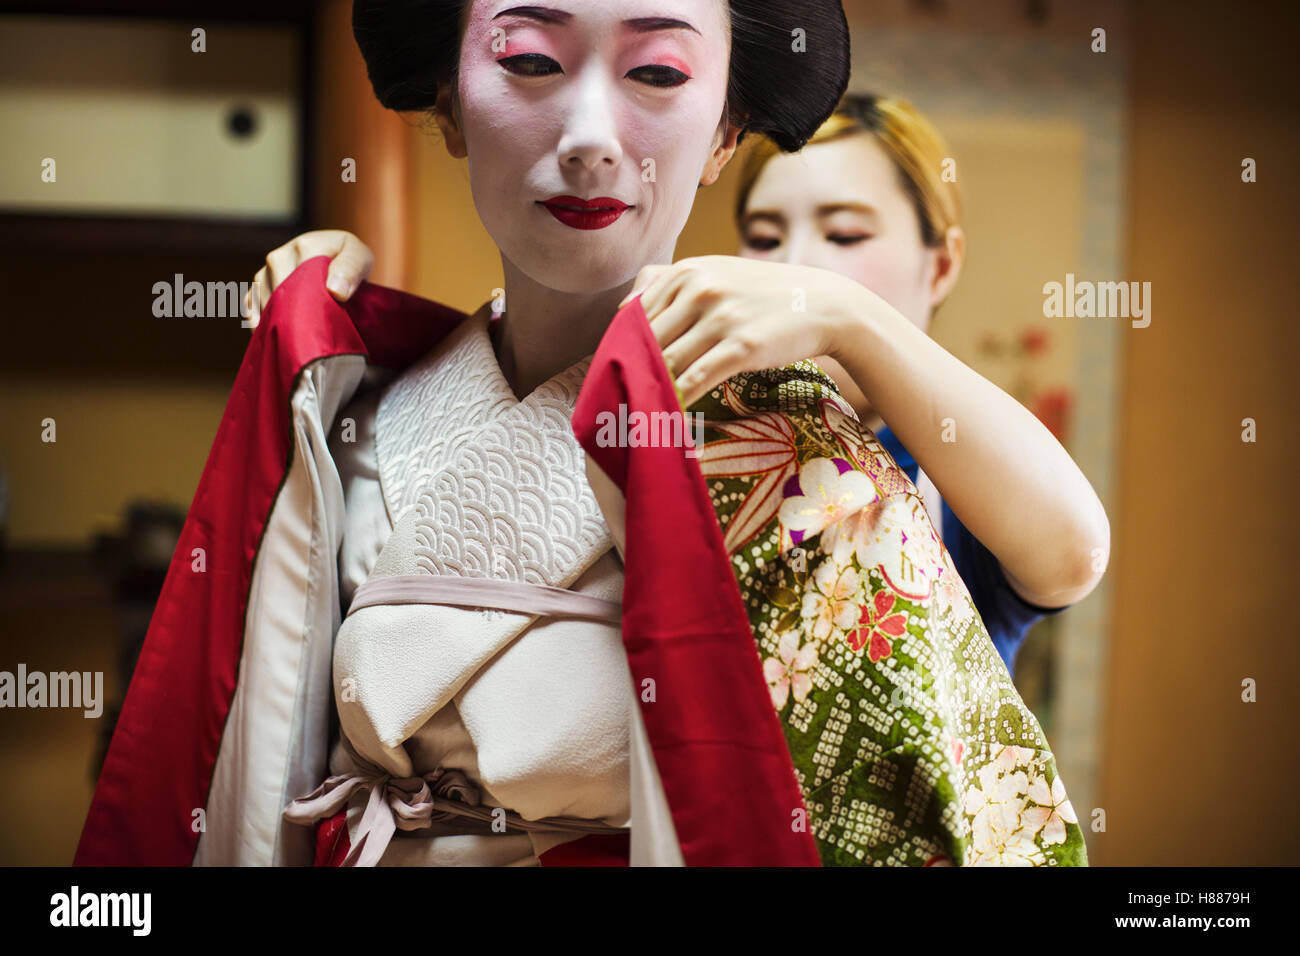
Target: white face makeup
841,206
616,101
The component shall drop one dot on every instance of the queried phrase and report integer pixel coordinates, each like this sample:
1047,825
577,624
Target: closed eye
841,239
530,64
762,244
658,75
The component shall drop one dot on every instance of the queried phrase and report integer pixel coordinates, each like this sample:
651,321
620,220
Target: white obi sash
523,706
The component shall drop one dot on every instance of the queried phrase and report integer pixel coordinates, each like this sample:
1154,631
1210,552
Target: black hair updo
782,84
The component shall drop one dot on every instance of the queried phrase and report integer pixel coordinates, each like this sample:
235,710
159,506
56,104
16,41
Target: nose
795,248
590,137
806,246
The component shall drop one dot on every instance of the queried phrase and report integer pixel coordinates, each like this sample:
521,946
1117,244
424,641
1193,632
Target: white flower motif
995,786
1008,758
831,605
1000,833
788,670
1053,812
841,539
898,540
825,497
999,837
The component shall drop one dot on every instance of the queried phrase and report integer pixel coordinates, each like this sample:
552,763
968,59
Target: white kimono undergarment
548,724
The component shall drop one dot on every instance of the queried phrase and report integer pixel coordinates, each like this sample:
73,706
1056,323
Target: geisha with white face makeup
585,103
493,693
617,102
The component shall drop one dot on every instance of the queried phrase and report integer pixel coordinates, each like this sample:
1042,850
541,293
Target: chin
573,261
572,271
582,283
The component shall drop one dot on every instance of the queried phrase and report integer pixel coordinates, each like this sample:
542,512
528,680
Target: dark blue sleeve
1006,615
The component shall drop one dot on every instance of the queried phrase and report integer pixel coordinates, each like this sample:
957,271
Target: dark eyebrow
545,14
825,209
828,208
638,25
652,24
762,215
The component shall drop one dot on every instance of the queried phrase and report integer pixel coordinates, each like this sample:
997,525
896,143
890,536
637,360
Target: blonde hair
915,146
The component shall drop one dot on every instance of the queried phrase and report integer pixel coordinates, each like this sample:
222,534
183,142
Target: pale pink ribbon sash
414,803
521,596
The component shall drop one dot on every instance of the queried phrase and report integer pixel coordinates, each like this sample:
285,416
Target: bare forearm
1001,471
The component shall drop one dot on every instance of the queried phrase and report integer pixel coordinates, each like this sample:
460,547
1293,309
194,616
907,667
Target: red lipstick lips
586,213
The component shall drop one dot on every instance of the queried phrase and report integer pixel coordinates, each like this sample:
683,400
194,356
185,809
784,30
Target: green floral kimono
909,741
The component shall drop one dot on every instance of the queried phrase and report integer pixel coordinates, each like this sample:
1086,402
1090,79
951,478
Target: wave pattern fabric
534,710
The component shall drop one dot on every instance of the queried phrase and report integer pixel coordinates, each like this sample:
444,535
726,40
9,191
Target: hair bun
789,66
410,48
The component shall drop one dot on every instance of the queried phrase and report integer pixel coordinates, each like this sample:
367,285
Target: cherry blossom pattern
898,540
877,626
1053,812
789,670
824,492
831,605
1001,835
1009,758
840,540
1014,808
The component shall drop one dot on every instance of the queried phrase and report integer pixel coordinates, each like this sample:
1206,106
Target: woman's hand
718,316
351,265
999,468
